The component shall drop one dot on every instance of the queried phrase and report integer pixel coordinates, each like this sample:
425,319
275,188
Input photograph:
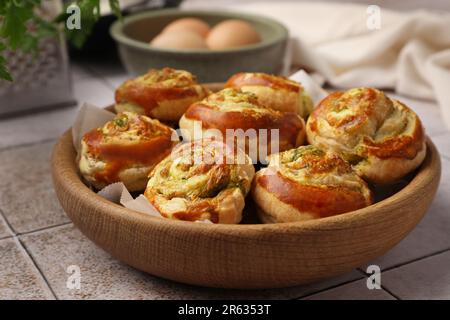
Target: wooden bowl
249,255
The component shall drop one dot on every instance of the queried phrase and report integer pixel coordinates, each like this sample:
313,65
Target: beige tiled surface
79,72
112,73
4,229
412,269
27,198
19,279
102,277
425,279
46,125
36,127
94,91
356,290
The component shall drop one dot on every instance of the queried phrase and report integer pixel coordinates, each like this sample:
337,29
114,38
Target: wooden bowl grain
243,256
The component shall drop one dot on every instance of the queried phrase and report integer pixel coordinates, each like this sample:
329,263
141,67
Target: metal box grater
41,80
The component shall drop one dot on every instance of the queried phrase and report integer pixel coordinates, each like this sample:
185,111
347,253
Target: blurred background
47,79
390,4
339,50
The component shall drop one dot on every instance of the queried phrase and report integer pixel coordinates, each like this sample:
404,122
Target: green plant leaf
14,27
44,29
4,73
115,8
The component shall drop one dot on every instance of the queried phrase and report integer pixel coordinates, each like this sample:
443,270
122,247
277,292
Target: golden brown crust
162,94
124,149
232,109
275,92
201,180
382,138
307,183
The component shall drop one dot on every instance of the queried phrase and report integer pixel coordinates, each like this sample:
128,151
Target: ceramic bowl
135,32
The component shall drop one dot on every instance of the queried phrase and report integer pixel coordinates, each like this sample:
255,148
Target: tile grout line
405,264
390,292
8,225
54,226
27,253
415,260
328,288
348,282
17,234
36,266
382,287
362,272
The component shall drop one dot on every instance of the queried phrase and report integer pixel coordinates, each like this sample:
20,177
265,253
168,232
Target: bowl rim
116,31
64,168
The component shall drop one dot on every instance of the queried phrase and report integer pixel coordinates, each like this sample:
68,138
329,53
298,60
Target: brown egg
232,33
179,40
192,24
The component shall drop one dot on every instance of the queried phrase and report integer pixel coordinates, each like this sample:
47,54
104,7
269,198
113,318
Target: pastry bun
201,180
381,137
234,112
161,94
307,183
278,93
125,149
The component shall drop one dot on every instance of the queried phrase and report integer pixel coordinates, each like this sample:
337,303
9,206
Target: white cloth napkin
410,53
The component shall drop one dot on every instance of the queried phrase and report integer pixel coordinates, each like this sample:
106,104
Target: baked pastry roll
278,93
161,94
381,137
307,183
124,149
202,179
234,112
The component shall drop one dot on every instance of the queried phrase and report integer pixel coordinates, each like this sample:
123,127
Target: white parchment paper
311,86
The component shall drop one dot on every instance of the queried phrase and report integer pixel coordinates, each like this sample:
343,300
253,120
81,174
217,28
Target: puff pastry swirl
202,179
381,137
124,149
161,94
307,183
278,93
235,111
